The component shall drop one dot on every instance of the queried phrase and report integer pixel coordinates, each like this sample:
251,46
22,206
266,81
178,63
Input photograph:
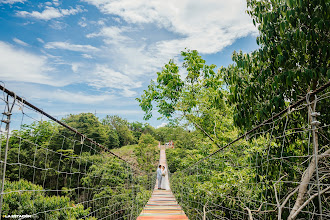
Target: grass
127,153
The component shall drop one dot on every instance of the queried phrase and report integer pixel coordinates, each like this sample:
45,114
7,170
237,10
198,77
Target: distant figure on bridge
159,176
165,184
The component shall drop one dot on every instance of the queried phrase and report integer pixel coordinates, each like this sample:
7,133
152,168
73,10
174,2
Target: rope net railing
280,170
50,171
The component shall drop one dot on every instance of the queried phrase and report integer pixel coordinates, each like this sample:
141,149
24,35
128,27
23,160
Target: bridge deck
162,204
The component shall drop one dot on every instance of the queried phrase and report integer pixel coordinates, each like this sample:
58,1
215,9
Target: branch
250,213
276,197
258,210
305,179
266,211
325,154
198,126
204,211
308,200
288,197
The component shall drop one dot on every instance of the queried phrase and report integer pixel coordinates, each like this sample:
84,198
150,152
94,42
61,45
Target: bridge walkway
162,203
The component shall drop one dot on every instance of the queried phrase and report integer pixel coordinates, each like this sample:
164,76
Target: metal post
7,122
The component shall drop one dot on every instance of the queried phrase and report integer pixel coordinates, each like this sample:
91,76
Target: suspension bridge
162,203
278,170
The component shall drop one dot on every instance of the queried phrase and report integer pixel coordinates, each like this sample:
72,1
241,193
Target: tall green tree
139,128
89,125
121,126
199,98
293,58
147,152
113,139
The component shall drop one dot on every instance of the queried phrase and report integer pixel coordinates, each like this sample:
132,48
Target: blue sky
99,55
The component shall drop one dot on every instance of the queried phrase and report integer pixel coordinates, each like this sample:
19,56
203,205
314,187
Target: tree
29,198
119,125
198,99
89,125
147,153
43,135
138,128
293,58
113,139
166,93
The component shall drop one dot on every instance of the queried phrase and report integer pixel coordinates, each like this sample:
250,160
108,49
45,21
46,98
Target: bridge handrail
300,101
22,100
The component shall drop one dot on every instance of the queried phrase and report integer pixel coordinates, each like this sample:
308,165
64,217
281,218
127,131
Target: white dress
165,183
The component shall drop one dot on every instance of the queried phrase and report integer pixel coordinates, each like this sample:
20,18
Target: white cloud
72,47
58,25
75,66
127,55
101,22
128,93
112,35
40,40
21,66
117,20
120,111
56,2
207,26
162,125
82,24
130,10
104,77
35,93
77,97
28,22
50,13
87,56
11,1
20,42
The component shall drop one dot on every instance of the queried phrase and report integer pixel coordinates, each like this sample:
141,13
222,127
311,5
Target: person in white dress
165,183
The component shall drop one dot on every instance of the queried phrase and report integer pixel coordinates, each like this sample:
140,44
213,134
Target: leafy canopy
293,58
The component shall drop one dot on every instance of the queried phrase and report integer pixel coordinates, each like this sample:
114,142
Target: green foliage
113,139
172,94
108,170
72,172
29,198
293,59
147,140
147,152
121,127
198,100
139,128
22,151
222,179
166,93
112,132
89,125
116,182
127,153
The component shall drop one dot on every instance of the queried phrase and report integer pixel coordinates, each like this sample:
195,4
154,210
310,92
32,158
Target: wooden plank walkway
162,204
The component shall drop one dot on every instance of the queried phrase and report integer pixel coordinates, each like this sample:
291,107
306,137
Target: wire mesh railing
278,170
51,171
